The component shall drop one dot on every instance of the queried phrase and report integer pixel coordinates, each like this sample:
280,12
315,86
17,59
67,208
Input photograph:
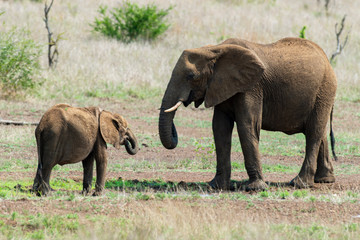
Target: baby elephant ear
109,128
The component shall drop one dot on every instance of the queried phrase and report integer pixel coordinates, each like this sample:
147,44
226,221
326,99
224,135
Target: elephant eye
190,76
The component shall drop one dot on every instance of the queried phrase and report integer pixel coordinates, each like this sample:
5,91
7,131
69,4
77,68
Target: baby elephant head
114,130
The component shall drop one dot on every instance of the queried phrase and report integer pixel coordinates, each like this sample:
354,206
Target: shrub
19,62
131,22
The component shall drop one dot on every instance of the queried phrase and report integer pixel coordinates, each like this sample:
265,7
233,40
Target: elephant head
114,130
212,74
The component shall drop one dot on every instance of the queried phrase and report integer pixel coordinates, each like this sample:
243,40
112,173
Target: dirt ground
277,210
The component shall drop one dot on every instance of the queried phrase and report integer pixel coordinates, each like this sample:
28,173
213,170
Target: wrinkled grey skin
287,86
67,135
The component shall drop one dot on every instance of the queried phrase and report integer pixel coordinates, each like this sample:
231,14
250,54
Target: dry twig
339,46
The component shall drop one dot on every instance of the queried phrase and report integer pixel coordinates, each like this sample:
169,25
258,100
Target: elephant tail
332,137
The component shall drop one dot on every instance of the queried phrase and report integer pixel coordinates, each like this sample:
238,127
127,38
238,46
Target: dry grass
89,61
171,219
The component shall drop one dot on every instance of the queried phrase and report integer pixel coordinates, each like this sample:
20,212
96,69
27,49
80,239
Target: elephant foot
219,183
85,192
97,193
256,185
98,190
43,189
326,179
324,175
299,182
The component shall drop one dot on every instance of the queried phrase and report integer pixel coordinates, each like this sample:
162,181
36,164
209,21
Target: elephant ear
109,128
236,69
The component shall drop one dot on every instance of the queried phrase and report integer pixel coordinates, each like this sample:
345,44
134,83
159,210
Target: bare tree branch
339,46
327,2
52,54
9,122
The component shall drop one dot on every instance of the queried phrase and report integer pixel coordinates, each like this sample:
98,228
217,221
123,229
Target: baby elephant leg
88,165
43,176
101,163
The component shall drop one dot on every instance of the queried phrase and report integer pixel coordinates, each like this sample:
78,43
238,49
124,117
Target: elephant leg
101,163
249,139
88,165
249,121
314,133
306,176
41,185
222,129
325,171
44,187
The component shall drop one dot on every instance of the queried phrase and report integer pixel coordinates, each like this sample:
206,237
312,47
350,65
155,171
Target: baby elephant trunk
131,143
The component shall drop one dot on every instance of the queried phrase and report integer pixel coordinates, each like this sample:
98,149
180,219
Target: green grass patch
282,194
347,144
13,189
350,93
300,193
279,168
39,226
264,194
347,169
65,184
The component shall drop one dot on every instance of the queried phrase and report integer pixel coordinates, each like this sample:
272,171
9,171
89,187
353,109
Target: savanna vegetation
157,193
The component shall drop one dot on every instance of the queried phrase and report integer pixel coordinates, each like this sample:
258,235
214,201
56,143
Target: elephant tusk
174,107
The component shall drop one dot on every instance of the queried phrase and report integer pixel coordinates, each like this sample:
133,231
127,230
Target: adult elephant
286,86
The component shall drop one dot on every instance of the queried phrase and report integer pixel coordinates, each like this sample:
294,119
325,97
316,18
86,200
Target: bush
131,22
19,62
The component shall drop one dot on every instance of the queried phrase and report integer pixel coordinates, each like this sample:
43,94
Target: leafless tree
339,46
53,53
327,2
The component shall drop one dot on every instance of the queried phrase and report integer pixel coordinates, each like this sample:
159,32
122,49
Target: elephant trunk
131,144
167,130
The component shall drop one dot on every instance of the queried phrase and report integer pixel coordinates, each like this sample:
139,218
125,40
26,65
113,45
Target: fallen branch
339,46
9,122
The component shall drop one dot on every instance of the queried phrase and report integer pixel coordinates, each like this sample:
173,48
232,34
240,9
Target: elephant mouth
199,102
192,98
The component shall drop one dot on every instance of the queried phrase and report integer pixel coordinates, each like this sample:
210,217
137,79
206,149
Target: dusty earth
279,211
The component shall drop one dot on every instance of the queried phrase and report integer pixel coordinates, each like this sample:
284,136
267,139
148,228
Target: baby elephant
68,134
